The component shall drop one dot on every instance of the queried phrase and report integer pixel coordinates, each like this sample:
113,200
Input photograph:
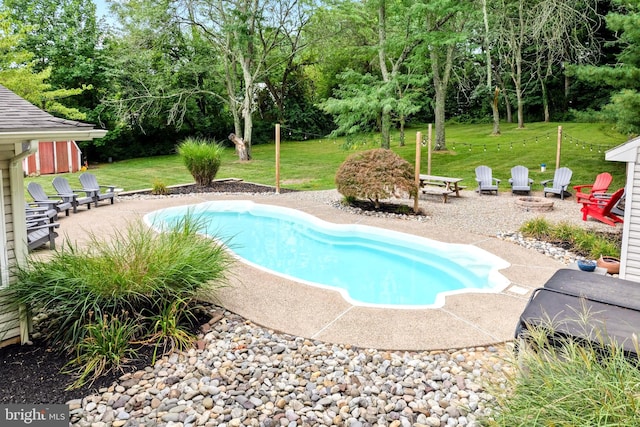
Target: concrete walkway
466,320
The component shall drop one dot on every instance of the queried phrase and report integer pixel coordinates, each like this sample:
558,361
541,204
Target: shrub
375,174
202,159
159,188
137,276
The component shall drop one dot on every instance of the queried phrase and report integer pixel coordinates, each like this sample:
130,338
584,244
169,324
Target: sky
101,7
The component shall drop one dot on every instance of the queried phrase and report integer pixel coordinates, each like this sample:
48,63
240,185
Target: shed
54,157
22,126
629,152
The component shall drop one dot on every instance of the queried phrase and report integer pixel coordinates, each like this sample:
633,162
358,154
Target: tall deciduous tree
444,34
64,39
381,89
17,72
248,36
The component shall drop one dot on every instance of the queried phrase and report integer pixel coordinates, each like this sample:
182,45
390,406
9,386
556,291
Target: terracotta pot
610,263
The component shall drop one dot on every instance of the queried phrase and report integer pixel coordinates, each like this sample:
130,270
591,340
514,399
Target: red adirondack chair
600,208
600,185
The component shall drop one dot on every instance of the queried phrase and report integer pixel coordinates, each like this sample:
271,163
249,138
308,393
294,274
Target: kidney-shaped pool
368,265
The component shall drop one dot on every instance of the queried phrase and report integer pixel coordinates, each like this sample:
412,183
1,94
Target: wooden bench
443,192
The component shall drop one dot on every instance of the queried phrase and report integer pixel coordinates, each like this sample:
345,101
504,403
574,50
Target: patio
466,320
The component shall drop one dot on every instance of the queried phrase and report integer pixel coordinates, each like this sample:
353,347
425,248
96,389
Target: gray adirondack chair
67,194
520,181
41,198
35,210
40,231
90,185
558,185
486,182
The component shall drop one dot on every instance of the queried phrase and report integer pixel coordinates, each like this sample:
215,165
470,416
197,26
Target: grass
560,382
312,164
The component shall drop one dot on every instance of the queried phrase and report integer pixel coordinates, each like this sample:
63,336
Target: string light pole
559,147
417,170
277,158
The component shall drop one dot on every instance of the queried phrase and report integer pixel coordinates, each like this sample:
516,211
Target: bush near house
375,174
138,287
202,159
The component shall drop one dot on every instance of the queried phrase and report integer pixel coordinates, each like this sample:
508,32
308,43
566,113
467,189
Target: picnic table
440,185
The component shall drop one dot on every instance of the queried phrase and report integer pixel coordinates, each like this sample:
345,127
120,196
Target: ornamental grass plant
202,158
137,276
563,382
583,241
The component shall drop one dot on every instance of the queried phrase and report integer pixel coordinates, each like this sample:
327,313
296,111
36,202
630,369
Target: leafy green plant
202,158
375,174
159,188
106,346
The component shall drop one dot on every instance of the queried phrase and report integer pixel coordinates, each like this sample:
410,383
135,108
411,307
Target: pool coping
283,305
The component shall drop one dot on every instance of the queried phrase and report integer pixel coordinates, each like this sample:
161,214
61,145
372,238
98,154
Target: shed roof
627,152
19,119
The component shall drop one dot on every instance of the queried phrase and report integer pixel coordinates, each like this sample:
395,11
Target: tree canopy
157,72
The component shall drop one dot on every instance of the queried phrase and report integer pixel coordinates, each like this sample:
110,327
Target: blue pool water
368,265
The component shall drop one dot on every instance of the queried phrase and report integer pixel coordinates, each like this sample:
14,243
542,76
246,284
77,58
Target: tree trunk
385,129
402,121
545,101
241,147
517,82
496,112
496,94
439,114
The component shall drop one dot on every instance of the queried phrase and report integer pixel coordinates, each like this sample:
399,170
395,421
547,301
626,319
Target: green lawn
311,164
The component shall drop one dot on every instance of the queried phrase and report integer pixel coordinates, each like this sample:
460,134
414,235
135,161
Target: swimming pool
368,265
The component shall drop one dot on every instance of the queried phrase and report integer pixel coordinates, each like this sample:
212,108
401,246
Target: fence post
559,147
277,158
417,171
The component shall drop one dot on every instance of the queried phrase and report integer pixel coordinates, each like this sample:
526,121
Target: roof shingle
17,114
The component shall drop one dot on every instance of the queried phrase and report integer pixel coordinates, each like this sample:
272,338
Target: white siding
631,253
9,316
9,323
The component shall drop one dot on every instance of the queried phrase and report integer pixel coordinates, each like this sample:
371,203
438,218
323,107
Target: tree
489,71
623,74
63,38
371,97
17,72
444,33
246,34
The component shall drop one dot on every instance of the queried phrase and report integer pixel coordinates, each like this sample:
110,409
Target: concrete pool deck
466,320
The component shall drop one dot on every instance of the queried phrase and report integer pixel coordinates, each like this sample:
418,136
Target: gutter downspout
28,148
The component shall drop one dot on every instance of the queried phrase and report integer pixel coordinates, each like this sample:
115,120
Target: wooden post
417,170
429,150
559,147
277,158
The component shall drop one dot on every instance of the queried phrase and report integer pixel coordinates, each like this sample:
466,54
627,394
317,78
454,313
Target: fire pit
534,204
